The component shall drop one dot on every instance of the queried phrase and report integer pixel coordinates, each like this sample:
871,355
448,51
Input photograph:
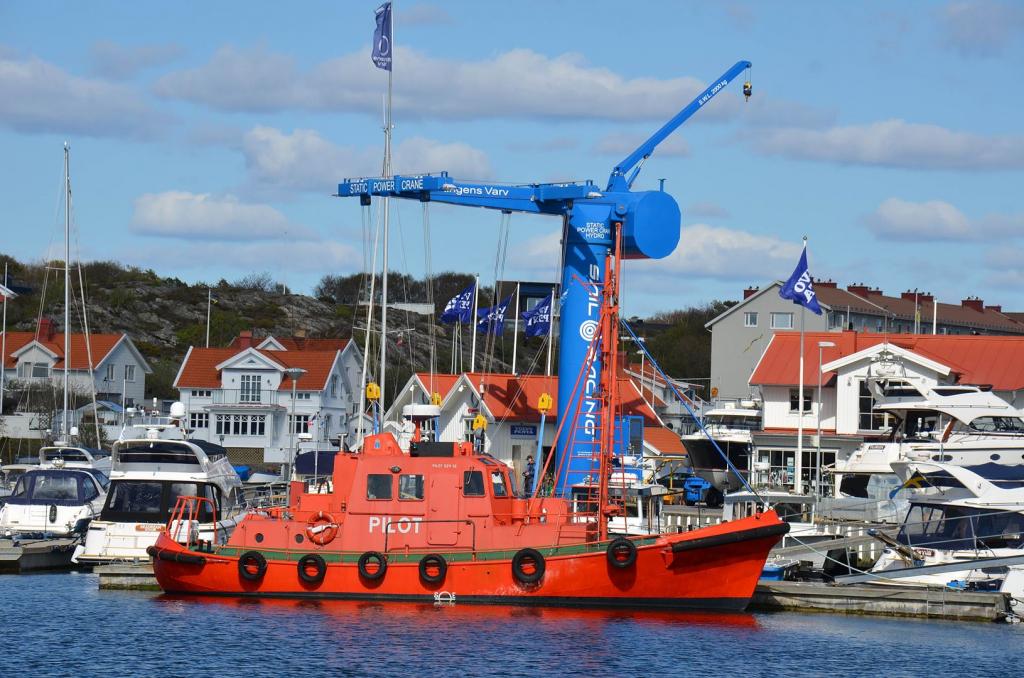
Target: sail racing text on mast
647,223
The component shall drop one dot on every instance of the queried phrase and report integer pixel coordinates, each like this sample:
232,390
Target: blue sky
207,137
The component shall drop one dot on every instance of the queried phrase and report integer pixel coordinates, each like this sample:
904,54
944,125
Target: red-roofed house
117,368
846,401
241,396
509,403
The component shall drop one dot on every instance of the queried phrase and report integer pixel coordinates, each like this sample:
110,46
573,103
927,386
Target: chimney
749,292
973,303
245,339
860,289
911,295
46,329
998,308
299,337
831,284
925,298
875,292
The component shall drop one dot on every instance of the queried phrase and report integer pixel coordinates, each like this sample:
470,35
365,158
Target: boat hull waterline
711,568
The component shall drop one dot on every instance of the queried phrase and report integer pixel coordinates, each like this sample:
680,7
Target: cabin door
443,511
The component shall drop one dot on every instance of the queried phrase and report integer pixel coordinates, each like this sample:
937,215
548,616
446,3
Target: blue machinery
648,222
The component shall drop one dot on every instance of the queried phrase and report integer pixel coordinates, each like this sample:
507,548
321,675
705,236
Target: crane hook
747,90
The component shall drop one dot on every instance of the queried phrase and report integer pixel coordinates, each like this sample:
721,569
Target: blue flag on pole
800,288
492,320
382,38
460,308
537,321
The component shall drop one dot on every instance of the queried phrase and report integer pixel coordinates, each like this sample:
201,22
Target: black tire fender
313,560
434,560
377,557
251,559
619,547
521,575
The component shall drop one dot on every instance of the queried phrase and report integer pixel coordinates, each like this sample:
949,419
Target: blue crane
648,223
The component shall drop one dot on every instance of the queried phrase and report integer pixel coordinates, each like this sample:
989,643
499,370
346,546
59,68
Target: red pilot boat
441,522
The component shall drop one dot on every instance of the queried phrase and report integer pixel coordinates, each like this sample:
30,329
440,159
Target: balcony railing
232,396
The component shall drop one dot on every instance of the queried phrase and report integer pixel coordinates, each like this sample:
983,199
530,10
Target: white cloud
725,254
937,220
121,62
36,96
706,209
206,260
517,83
304,160
538,256
895,143
622,144
201,216
980,28
423,14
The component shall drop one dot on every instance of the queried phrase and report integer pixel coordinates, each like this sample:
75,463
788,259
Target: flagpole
515,334
209,303
798,462
3,348
476,301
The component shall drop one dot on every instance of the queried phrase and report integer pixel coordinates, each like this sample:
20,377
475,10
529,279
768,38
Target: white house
845,415
241,397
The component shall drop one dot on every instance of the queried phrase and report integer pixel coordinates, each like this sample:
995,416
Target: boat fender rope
621,553
523,556
250,560
321,528
378,558
436,561
312,560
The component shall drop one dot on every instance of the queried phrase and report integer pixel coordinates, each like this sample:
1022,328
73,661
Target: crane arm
533,198
618,181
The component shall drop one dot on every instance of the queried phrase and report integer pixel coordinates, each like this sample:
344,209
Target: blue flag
492,320
460,308
800,288
382,38
537,322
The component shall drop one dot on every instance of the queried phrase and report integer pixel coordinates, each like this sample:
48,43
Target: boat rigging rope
369,323
671,385
500,257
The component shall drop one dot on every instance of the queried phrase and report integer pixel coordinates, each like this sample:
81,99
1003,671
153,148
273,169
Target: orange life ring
321,529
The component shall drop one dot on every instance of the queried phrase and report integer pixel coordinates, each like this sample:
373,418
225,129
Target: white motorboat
959,532
148,476
730,428
53,502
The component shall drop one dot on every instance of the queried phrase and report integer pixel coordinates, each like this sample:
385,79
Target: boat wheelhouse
729,429
53,502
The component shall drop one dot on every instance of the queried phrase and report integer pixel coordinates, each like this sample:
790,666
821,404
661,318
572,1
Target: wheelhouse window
378,486
782,321
498,484
794,399
410,487
152,501
473,484
750,319
249,389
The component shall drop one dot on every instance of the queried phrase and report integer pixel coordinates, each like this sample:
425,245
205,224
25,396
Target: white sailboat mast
384,254
67,286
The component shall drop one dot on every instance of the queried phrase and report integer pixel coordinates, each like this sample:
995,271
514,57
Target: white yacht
148,476
957,524
53,502
729,426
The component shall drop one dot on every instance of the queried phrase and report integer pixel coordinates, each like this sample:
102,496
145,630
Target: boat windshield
151,501
158,452
958,528
998,425
63,488
733,421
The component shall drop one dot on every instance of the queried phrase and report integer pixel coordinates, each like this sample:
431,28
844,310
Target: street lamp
817,477
294,373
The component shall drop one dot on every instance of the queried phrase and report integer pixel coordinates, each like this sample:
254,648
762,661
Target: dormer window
249,391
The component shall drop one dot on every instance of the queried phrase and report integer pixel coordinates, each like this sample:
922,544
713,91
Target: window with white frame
782,321
129,372
200,393
40,370
110,372
794,398
241,424
750,319
867,419
198,420
303,395
299,423
249,389
334,386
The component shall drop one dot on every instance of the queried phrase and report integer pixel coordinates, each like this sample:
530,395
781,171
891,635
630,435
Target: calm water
61,625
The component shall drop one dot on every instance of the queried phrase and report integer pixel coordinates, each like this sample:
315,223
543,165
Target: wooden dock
127,576
31,555
890,601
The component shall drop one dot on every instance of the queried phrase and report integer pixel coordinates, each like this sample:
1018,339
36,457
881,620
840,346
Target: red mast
609,331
